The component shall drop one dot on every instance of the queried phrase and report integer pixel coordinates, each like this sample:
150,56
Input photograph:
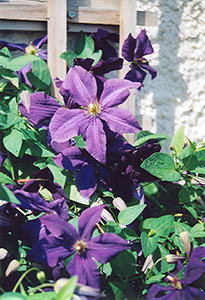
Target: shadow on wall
169,87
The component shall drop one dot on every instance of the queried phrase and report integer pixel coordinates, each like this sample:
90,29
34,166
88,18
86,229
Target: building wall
177,95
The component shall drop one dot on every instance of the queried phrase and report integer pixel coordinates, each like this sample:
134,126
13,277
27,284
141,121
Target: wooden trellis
55,15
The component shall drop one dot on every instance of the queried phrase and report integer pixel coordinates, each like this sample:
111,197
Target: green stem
147,275
11,166
2,290
39,287
22,277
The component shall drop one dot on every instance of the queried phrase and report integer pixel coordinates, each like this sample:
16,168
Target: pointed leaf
178,140
162,166
129,214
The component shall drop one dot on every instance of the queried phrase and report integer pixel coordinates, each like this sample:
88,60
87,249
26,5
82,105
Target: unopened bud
172,258
105,215
59,284
119,203
185,239
41,276
3,253
148,264
12,267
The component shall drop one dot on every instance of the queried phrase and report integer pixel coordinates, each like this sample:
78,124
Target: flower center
31,49
139,61
175,282
80,247
94,108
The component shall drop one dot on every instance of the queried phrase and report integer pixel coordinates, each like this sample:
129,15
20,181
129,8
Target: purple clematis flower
31,48
134,50
181,288
93,113
101,39
91,172
65,241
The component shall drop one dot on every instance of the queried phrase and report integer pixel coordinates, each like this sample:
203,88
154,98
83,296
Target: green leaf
74,195
162,166
124,264
141,141
80,141
189,194
20,62
66,292
155,278
178,140
57,173
13,141
43,296
192,211
162,225
129,214
7,195
198,231
8,74
122,291
6,179
40,76
12,296
149,243
5,57
68,56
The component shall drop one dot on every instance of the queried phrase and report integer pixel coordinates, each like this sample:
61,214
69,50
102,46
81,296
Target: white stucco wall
177,95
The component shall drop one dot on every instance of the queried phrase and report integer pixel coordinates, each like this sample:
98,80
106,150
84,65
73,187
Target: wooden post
127,25
57,40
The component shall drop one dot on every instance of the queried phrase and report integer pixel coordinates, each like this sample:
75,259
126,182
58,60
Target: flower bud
172,258
119,203
41,276
148,264
59,284
3,253
105,215
12,267
185,239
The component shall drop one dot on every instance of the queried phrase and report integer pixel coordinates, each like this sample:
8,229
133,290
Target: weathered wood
57,40
23,25
32,10
127,25
147,18
92,15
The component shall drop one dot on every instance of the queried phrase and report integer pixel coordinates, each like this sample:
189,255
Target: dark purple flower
3,156
65,241
31,48
101,40
93,113
98,70
134,50
181,288
128,173
90,172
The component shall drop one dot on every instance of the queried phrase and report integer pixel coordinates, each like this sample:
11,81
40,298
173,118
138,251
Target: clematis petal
143,45
40,41
195,293
96,140
31,201
136,74
71,158
116,91
86,180
198,252
86,270
81,86
66,124
156,288
106,246
128,48
60,228
112,63
120,120
41,107
13,47
87,221
194,269
49,251
152,71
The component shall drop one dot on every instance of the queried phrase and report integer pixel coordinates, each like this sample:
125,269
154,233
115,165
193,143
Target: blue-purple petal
106,246
86,180
87,221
